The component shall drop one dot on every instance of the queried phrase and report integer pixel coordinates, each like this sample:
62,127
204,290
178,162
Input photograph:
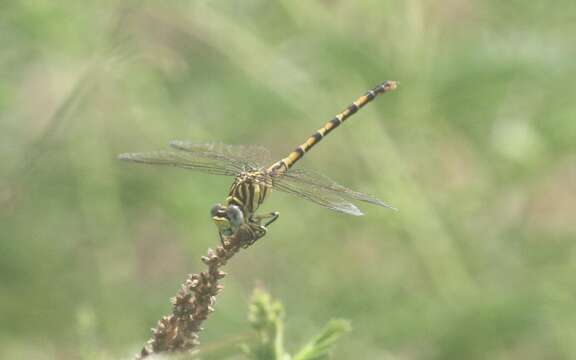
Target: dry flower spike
192,304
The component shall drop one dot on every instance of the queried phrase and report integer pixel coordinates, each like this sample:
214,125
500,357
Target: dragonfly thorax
236,216
248,191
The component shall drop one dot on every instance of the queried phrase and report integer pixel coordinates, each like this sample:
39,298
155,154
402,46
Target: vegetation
267,319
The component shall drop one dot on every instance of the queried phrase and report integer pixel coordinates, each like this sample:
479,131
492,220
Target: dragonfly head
227,218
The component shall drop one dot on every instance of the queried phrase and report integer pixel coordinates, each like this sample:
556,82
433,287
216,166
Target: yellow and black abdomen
298,153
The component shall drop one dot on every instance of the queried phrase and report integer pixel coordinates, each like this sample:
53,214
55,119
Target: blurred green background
476,149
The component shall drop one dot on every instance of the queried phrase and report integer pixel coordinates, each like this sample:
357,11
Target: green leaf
319,348
267,319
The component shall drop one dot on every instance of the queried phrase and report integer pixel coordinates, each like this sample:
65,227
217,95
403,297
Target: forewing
186,160
324,191
253,157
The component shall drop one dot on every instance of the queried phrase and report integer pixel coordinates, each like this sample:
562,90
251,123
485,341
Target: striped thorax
248,191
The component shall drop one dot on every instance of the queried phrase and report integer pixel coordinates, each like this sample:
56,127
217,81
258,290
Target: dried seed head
193,303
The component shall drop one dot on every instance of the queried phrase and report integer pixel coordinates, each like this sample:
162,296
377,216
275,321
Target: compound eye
215,210
235,215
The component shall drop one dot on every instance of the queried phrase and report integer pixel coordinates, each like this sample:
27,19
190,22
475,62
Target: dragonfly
254,178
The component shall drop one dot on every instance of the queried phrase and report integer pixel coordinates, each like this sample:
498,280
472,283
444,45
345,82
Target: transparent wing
182,160
320,189
253,157
211,158
204,158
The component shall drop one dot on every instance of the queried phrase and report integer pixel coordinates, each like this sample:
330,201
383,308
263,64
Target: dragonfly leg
221,238
273,216
250,232
253,230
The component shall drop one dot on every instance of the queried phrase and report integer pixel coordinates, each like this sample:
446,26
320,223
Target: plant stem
192,304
